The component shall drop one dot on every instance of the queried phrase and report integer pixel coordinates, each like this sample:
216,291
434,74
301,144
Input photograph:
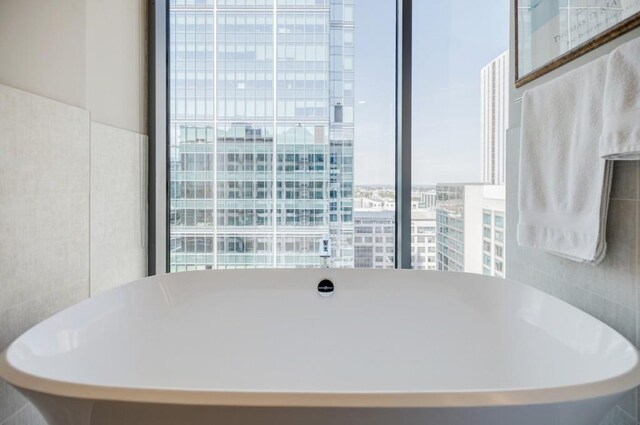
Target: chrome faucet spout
325,250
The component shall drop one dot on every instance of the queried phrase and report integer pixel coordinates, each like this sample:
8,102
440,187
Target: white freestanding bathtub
266,347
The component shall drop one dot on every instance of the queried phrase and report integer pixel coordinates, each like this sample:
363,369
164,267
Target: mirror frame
602,38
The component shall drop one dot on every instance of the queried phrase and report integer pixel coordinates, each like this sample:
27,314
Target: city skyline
264,137
455,226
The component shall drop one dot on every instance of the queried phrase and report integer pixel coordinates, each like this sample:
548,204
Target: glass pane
374,240
547,29
263,128
460,108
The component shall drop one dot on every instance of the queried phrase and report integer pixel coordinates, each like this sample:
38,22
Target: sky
453,40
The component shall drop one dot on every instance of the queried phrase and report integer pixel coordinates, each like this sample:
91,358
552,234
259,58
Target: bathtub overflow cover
325,287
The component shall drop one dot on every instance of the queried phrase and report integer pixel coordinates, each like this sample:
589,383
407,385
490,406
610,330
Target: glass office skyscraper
261,132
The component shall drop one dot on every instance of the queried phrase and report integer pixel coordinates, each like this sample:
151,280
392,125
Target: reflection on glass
549,28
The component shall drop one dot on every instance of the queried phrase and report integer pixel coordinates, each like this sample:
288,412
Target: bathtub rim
614,385
617,385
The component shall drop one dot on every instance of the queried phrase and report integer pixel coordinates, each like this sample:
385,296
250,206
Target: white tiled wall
86,53
608,291
118,207
65,183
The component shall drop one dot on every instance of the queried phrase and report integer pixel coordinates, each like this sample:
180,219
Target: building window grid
244,57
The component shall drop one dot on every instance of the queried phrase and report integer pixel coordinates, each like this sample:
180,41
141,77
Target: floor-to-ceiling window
282,134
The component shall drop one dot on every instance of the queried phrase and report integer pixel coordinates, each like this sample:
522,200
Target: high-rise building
470,217
493,227
450,222
375,235
494,115
428,198
470,228
374,239
261,132
423,239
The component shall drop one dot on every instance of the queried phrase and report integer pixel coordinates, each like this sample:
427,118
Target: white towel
564,184
621,126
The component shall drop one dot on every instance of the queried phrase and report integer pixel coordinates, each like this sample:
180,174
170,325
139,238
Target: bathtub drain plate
325,287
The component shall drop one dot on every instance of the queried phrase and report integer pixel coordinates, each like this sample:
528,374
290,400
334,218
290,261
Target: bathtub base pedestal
66,411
